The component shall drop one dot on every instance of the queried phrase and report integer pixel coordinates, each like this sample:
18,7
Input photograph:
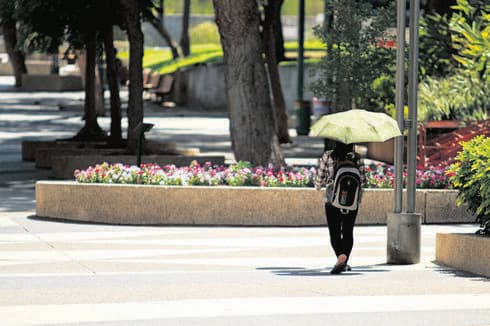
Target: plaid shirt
325,171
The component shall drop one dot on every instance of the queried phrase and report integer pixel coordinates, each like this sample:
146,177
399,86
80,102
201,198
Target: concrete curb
51,83
45,157
467,252
29,147
189,205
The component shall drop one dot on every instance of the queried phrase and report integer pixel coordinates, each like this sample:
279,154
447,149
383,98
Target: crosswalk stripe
104,312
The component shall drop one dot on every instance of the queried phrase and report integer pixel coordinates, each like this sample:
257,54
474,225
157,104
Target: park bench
146,77
163,88
150,80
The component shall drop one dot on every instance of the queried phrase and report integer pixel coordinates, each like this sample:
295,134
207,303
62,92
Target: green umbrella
356,126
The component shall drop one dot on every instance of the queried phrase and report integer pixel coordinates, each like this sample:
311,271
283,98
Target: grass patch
160,60
310,45
205,7
170,66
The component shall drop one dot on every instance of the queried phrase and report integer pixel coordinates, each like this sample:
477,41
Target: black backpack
346,185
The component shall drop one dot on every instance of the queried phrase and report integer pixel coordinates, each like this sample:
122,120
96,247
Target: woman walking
340,221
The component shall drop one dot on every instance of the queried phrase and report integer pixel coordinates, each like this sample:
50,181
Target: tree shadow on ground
16,201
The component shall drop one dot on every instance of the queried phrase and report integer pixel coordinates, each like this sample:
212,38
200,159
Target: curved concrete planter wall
204,86
467,252
143,204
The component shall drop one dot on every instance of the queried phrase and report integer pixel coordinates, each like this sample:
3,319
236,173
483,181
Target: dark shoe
338,268
347,268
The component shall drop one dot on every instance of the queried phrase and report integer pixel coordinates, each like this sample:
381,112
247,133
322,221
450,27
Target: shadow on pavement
458,273
301,271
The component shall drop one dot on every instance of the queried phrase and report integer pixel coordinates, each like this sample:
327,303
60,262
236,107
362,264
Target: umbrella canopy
356,126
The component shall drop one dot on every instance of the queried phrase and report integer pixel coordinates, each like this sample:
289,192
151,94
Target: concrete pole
403,229
413,84
399,105
301,49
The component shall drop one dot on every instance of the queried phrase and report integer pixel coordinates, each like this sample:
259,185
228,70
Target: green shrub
471,176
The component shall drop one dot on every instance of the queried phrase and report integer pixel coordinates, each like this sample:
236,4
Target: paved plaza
62,273
65,273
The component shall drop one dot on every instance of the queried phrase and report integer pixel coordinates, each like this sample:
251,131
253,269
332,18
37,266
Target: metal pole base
403,238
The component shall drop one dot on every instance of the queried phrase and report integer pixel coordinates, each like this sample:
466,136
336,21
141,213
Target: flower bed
242,174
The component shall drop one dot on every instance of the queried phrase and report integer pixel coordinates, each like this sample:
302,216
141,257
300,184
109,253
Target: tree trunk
343,96
185,43
159,25
135,102
99,92
113,82
278,102
277,30
91,130
16,56
249,105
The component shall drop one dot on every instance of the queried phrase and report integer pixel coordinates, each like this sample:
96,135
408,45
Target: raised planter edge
145,204
466,252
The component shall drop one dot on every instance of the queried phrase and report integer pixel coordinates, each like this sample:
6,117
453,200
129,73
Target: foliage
204,33
446,43
43,24
471,38
471,176
391,111
7,10
460,96
241,174
464,94
380,94
435,46
47,24
353,60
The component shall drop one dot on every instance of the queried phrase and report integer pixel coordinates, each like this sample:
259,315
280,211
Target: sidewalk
55,273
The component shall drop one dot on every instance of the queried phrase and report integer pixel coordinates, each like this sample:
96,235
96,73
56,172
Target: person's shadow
302,271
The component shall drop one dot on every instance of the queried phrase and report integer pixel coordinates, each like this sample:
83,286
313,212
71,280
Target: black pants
341,229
